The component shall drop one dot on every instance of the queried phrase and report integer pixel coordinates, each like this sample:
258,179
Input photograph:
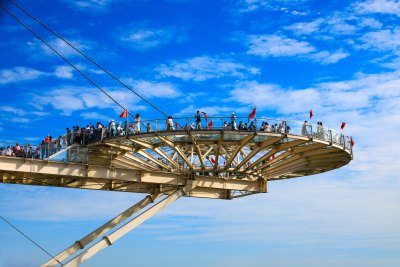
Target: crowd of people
46,148
97,132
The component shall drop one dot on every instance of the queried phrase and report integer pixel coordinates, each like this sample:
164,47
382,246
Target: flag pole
126,124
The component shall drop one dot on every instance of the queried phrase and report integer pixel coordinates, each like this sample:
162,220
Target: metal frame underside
222,162
228,154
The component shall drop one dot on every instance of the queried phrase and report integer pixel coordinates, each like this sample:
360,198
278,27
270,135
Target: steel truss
109,239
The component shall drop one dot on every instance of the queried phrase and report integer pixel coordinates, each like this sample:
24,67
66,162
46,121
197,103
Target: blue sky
340,58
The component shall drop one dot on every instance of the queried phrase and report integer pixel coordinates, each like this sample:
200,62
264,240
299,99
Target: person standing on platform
233,121
137,125
304,129
198,120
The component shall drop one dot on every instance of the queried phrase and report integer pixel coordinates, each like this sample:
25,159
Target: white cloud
326,57
273,97
95,116
277,46
20,115
22,74
70,99
217,110
382,40
338,23
247,6
143,38
65,72
370,23
20,120
13,110
280,46
305,28
152,89
93,5
390,7
362,92
19,74
40,51
205,68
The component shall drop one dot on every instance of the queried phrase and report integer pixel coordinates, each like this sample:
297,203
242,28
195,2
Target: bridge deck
226,164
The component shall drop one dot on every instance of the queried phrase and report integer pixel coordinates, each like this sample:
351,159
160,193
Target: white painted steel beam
132,224
82,243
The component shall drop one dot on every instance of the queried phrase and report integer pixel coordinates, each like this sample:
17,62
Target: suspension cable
65,59
27,237
88,58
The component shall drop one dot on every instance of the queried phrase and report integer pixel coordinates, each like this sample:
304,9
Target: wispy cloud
247,6
204,68
65,72
13,110
19,74
359,93
326,57
305,28
217,110
144,37
390,7
336,24
266,45
272,97
24,74
281,46
382,40
69,99
154,89
93,5
39,51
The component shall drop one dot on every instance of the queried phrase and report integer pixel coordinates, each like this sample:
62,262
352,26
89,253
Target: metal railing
46,150
261,124
83,136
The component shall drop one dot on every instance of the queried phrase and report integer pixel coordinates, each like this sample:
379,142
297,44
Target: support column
108,240
80,244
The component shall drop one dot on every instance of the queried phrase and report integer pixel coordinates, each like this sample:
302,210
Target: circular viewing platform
287,150
224,162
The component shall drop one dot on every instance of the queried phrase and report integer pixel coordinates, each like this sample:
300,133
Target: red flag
205,115
343,125
176,125
311,114
252,114
352,141
209,125
124,114
212,160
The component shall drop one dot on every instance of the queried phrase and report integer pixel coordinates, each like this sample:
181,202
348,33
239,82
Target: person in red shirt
17,150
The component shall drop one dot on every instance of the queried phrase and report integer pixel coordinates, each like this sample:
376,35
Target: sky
339,58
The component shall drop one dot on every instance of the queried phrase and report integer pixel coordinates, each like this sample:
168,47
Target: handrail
224,123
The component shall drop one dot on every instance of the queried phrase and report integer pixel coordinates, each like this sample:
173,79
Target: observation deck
215,162
226,163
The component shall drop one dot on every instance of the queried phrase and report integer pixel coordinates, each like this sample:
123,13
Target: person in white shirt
170,124
304,129
233,121
137,125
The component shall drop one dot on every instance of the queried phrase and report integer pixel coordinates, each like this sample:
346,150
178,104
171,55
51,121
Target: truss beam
109,239
82,243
